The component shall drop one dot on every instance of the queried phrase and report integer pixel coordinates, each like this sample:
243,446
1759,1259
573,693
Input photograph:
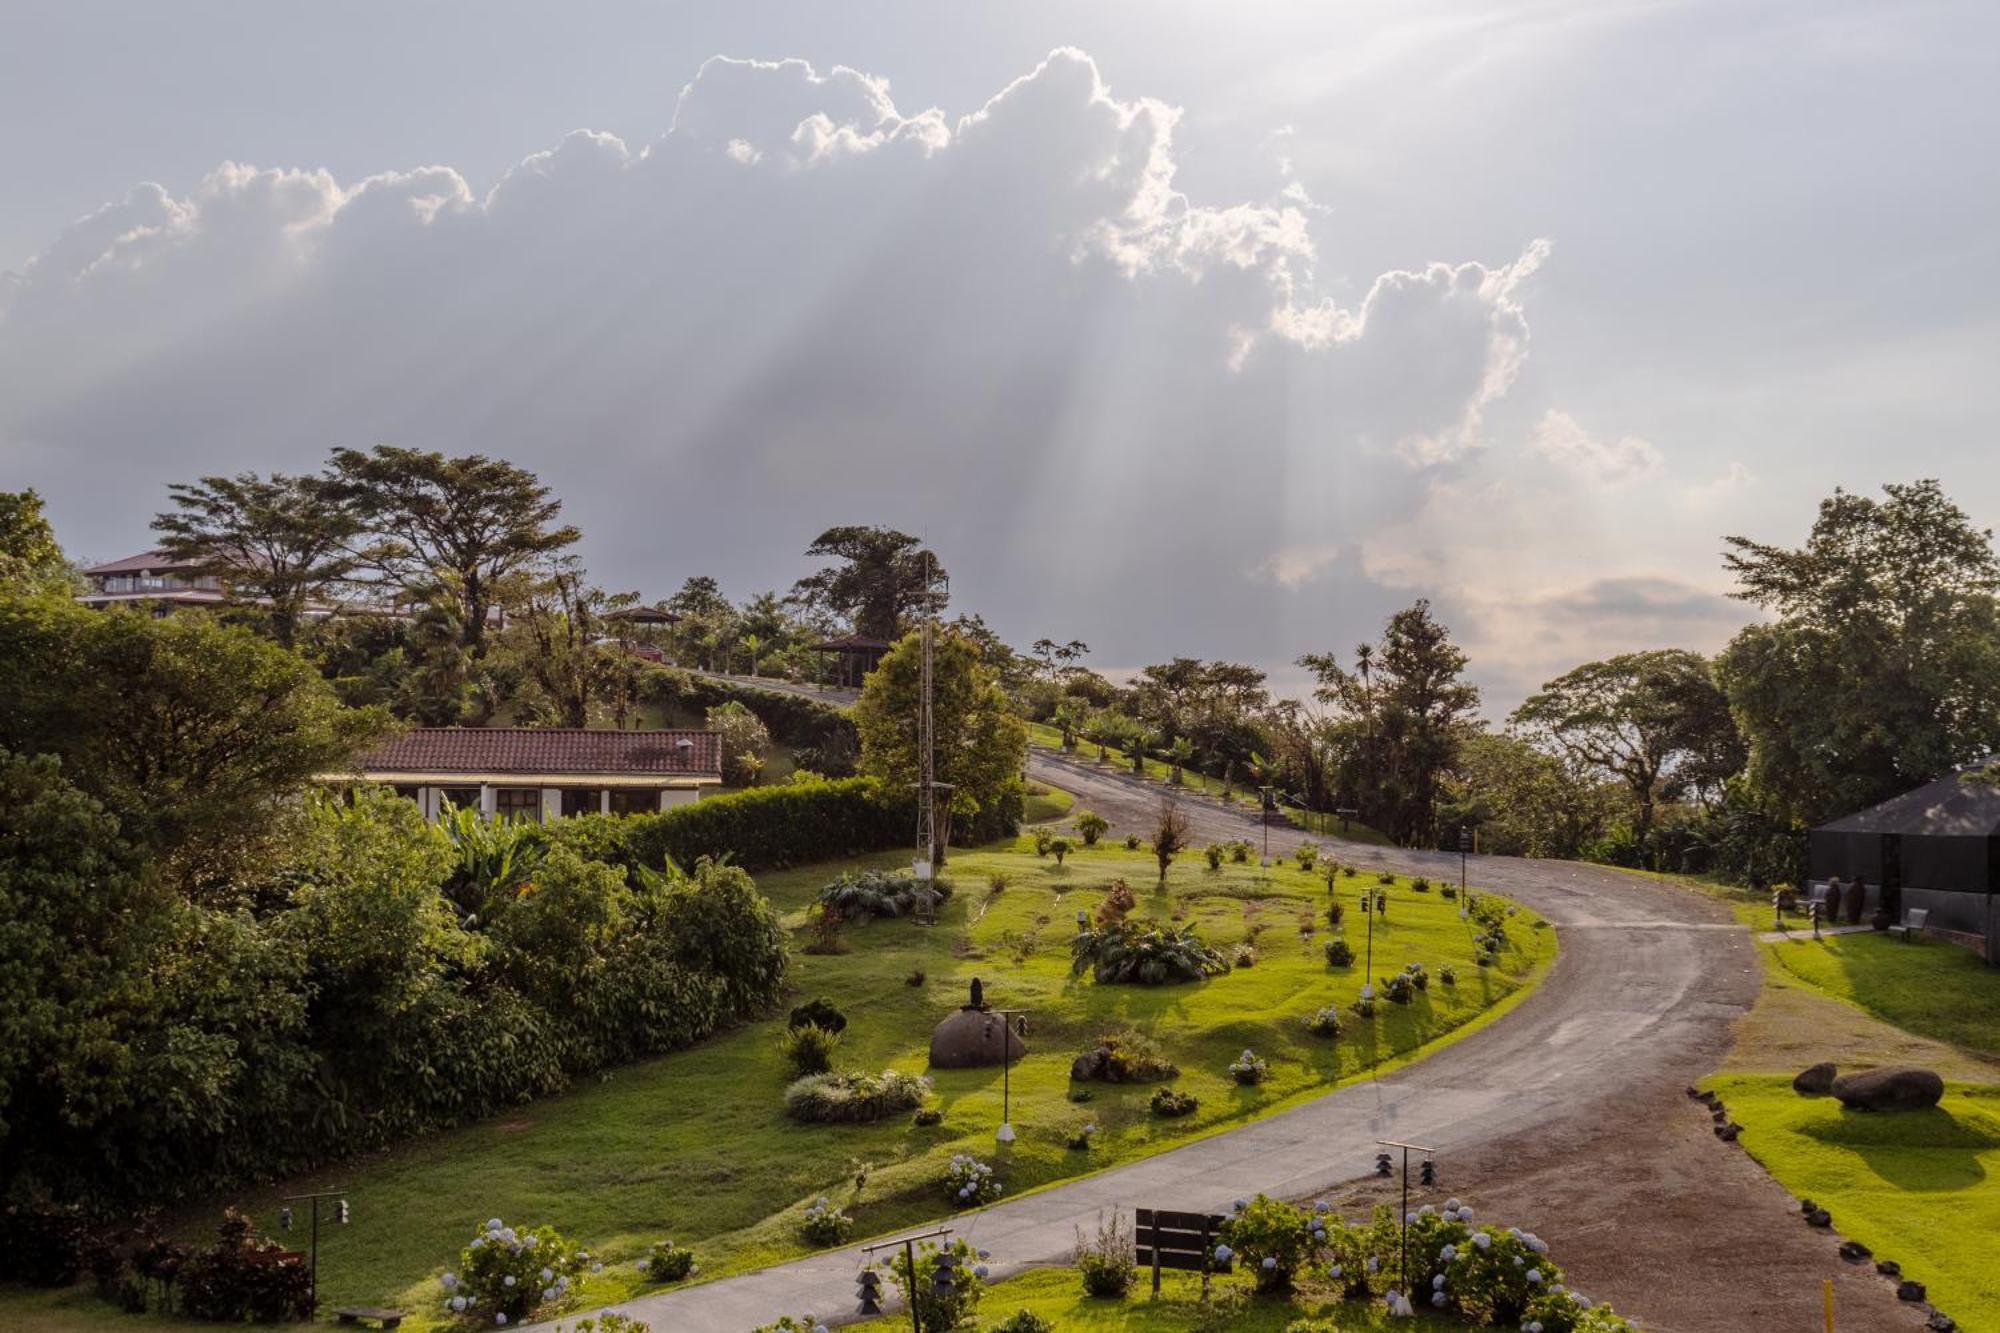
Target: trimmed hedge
821,737
765,828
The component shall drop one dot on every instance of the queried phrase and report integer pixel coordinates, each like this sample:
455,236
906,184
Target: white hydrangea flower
1482,1240
1534,1275
494,1224
1270,1263
1223,1254
980,1271
1437,1298
500,1318
1448,1253
548,1275
1451,1205
507,1281
1465,1215
1437,1283
1374,1264
1333,1271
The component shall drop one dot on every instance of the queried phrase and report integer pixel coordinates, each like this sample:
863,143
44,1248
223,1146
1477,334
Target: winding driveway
1566,1115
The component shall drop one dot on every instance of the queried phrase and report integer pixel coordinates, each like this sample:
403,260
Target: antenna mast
926,742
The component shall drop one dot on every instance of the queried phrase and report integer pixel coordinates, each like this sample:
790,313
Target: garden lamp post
340,1215
1464,846
909,1244
1013,1023
1368,968
1430,1178
1266,800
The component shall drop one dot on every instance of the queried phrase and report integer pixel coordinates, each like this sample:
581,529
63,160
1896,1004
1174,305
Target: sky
1210,330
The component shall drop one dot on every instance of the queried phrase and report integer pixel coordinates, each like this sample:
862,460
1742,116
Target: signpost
1430,1178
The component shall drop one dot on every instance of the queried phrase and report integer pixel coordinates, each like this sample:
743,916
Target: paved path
1807,932
1649,979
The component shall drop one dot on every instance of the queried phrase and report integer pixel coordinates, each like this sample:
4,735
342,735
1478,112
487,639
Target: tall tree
1524,801
29,554
284,540
1636,717
1405,710
882,577
563,621
475,518
195,734
980,744
708,624
1882,669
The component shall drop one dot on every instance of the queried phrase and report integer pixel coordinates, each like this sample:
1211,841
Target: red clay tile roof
529,750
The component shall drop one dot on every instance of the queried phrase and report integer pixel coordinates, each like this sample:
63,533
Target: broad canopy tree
1882,668
1654,721
882,578
283,539
479,520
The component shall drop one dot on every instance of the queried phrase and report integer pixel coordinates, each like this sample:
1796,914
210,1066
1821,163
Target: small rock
1889,1268
1940,1322
1854,1251
1808,1207
1819,1217
1694,1093
1907,1290
1897,1089
1728,1132
1816,1081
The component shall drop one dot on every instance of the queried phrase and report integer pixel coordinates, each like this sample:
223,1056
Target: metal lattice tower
927,784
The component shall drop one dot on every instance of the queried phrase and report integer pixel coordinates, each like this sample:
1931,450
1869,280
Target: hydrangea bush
1325,1022
1249,1068
969,1182
1273,1241
505,1275
825,1223
668,1262
941,1308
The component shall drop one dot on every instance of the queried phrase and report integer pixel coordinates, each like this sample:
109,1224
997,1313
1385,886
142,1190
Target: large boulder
1816,1081
1898,1089
972,1038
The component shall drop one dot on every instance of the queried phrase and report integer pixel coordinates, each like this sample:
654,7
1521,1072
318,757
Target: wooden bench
1912,924
354,1314
1186,1241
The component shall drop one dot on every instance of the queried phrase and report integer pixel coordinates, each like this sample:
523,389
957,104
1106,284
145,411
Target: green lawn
1045,803
1933,989
1056,1294
695,1145
1922,1188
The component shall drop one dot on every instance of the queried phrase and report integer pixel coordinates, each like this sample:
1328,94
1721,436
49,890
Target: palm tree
754,645
1070,716
1178,754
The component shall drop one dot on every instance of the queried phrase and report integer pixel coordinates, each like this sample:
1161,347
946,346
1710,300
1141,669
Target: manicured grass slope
1243,793
695,1145
1045,803
1921,1188
1930,988
1057,1296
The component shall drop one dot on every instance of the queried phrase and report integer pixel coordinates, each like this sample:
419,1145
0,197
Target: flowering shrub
1561,1311
1307,853
1399,989
1121,951
1131,842
1274,1240
1245,956
969,1182
1339,953
668,1262
1078,1140
1495,1274
1168,1103
1213,855
611,1321
1123,1055
1117,902
1325,1022
1418,976
1365,1006
1090,826
1448,975
504,1276
939,1308
1420,885
851,1096
927,1118
1345,1250
1249,1068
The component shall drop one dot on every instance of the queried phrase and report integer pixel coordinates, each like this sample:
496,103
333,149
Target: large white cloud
1112,406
